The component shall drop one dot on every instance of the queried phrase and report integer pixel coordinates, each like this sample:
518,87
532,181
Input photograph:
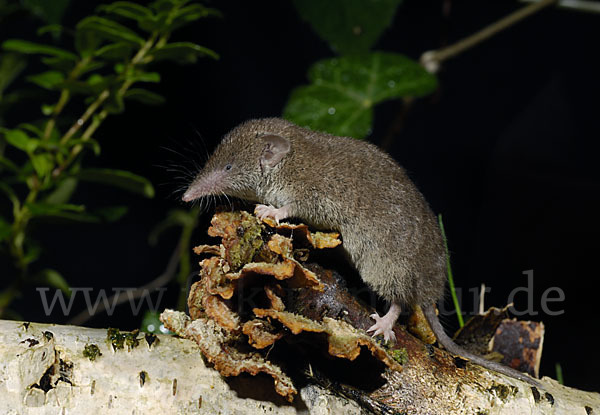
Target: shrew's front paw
264,211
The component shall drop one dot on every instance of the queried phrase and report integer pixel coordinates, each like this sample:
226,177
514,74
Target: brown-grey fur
351,186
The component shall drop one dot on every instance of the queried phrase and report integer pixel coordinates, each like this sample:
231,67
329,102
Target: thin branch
164,278
432,59
579,5
86,116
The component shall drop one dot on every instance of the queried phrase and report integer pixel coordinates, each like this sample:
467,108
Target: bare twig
432,59
579,5
167,275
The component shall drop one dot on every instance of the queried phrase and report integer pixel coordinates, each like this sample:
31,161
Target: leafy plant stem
64,96
86,116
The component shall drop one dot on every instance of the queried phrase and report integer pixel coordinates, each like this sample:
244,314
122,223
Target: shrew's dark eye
228,167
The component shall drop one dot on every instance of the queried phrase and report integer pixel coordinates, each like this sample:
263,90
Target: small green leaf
191,13
109,30
63,192
5,229
144,96
11,65
350,26
69,212
33,250
118,178
52,278
49,11
115,51
31,128
111,213
165,5
60,64
78,87
141,76
7,164
182,52
87,41
344,91
42,163
54,29
12,196
48,80
127,9
47,109
90,142
19,139
23,46
42,209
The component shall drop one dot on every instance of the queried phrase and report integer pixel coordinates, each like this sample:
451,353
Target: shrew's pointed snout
187,196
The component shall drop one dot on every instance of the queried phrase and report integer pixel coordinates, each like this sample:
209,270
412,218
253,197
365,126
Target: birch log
43,370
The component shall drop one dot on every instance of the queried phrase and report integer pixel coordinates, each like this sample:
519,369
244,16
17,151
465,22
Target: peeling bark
43,371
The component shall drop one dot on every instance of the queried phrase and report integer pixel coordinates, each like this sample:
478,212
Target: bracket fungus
238,307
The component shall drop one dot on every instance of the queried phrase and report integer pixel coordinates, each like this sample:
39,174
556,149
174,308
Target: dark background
503,150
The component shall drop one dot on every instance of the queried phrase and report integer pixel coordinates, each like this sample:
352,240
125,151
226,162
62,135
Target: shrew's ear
275,149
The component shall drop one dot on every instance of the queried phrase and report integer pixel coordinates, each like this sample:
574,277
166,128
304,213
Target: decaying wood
43,371
297,347
304,299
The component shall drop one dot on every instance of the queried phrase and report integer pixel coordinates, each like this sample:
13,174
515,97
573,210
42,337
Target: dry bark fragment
260,333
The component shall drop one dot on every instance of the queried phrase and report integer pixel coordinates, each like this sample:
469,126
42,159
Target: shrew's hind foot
385,325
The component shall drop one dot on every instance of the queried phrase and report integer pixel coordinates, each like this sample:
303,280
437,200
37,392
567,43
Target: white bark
178,381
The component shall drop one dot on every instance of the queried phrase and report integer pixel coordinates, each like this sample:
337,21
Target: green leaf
191,13
23,46
87,41
33,250
63,192
12,196
344,91
11,65
19,139
140,76
127,9
182,52
109,30
144,96
54,29
49,11
48,80
111,213
42,163
31,128
90,142
7,164
52,278
349,26
115,51
69,212
47,109
166,5
5,229
60,64
78,87
118,178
